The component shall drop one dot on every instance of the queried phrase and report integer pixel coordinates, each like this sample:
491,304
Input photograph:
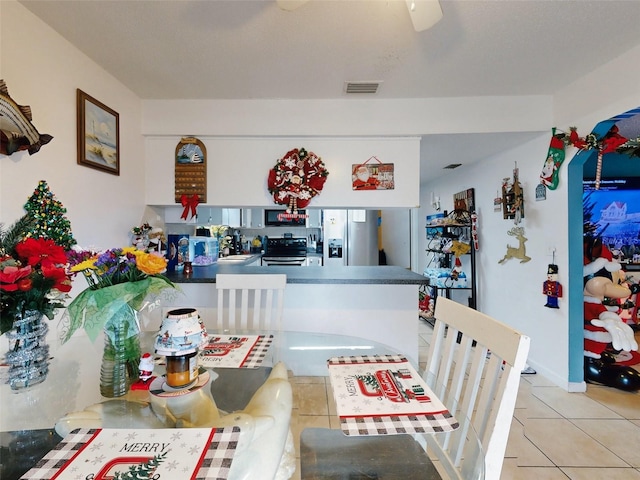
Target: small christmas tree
48,214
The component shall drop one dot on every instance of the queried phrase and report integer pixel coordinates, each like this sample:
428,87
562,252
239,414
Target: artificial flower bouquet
33,275
118,278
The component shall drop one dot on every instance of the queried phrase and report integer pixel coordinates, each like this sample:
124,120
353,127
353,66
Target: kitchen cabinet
315,218
253,217
314,260
231,217
206,216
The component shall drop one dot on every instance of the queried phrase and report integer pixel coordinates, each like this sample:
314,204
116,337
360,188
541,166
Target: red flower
9,277
40,250
59,276
25,284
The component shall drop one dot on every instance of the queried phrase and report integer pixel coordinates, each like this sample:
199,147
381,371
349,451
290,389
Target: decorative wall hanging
551,287
372,176
555,156
520,250
512,198
609,142
465,200
16,130
190,175
98,134
296,179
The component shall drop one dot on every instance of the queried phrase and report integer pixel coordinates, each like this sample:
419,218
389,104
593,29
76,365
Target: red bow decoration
189,203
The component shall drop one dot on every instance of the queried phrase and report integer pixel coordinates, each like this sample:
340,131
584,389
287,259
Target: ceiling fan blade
424,13
290,5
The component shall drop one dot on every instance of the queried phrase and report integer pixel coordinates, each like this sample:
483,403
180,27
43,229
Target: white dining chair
473,366
250,302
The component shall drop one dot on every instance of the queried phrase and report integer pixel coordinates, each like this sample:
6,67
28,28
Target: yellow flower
151,264
133,250
86,265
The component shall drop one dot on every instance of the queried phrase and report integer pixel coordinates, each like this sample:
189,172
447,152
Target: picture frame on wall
98,134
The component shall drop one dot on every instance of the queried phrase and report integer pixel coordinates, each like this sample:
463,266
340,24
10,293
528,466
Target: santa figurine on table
605,333
145,367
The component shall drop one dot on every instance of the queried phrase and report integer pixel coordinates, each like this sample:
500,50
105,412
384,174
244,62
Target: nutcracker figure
551,287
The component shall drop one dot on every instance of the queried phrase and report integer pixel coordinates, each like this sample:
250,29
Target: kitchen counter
380,275
378,303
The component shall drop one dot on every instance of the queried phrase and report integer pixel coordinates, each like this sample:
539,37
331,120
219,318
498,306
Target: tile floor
555,435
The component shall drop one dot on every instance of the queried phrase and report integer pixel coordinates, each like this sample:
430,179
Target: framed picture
98,135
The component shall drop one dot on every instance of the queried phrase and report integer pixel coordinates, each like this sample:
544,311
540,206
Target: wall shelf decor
512,198
190,170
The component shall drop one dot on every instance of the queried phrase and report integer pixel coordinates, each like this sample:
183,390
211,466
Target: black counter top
381,275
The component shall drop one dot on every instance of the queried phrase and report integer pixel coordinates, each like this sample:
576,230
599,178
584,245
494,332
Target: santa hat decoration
597,258
458,263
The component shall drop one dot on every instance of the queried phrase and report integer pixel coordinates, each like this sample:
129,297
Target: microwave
278,218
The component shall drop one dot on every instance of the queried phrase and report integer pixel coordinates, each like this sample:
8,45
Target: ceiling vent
451,166
361,87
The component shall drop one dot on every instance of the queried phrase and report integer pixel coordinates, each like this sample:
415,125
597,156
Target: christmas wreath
296,179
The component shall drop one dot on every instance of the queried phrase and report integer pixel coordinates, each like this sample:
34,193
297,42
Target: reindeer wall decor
516,252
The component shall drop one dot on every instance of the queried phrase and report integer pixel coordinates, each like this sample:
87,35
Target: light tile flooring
555,435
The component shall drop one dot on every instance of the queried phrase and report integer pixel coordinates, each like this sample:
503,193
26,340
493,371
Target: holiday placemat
235,351
100,454
383,394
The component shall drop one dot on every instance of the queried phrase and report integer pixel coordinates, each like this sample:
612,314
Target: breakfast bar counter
378,303
385,275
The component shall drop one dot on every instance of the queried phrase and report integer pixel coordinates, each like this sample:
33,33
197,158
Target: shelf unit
443,241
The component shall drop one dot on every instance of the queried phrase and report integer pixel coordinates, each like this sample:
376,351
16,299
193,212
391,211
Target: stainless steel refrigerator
350,237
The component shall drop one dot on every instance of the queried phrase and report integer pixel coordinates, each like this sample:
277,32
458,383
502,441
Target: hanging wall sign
191,172
372,176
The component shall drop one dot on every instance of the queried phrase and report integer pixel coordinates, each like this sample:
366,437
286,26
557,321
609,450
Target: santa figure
605,332
362,179
146,367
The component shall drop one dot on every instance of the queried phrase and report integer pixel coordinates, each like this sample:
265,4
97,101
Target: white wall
512,292
43,70
238,168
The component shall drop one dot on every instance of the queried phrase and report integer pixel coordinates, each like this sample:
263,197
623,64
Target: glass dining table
27,418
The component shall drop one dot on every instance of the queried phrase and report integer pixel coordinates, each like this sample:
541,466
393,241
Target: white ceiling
245,49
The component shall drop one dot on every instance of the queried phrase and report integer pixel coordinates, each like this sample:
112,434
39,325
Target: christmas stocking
555,157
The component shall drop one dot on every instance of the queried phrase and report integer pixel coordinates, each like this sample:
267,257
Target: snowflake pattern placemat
235,351
383,394
127,454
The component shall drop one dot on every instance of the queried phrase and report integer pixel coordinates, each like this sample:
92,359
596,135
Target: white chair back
250,302
474,366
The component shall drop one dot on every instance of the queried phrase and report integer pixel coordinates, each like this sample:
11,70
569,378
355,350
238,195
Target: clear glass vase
28,356
121,356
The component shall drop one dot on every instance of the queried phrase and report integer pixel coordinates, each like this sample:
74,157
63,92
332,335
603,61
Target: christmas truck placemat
235,351
383,394
127,454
